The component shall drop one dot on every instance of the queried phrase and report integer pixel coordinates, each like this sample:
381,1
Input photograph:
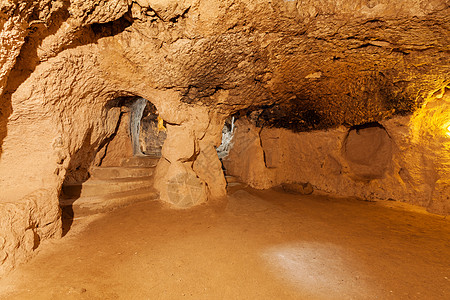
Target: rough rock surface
298,188
151,137
368,151
298,64
119,147
407,160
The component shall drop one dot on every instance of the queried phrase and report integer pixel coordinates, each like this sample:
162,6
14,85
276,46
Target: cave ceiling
297,64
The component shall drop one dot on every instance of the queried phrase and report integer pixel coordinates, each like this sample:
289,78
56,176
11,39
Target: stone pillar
189,171
175,179
207,165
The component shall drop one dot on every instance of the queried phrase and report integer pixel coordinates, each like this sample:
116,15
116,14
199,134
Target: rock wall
120,147
24,224
314,64
61,119
404,159
190,171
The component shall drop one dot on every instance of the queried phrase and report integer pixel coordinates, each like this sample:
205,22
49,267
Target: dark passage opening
107,173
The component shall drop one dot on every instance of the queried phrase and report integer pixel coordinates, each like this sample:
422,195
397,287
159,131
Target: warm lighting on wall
446,127
431,122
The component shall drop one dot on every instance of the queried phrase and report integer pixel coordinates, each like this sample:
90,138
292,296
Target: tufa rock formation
302,77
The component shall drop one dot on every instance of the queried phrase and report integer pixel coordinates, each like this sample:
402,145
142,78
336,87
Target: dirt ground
257,245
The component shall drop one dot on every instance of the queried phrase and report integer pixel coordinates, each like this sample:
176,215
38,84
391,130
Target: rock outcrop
299,65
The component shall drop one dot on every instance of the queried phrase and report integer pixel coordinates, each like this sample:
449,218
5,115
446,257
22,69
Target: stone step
234,184
141,161
89,205
97,187
106,173
233,187
231,179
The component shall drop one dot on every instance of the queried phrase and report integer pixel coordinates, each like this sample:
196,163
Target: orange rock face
301,65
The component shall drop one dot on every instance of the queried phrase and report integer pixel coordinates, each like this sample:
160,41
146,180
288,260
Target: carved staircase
111,187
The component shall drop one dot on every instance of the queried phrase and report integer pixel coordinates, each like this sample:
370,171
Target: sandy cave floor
257,245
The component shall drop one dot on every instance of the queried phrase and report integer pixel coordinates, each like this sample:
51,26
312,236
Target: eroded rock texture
299,65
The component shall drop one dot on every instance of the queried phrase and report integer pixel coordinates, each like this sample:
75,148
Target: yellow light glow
432,121
161,125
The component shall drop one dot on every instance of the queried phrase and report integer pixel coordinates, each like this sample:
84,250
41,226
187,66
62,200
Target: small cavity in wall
367,149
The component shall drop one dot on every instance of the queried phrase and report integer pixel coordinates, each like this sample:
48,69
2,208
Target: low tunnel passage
118,170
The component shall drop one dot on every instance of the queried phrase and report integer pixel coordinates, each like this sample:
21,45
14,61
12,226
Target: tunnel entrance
118,169
140,132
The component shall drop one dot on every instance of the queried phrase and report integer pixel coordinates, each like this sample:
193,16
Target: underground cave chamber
197,104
